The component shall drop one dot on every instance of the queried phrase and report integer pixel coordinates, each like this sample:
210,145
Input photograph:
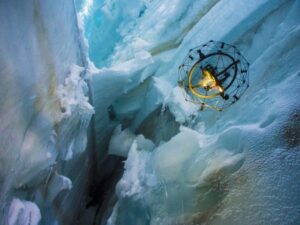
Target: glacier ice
174,174
121,141
238,150
23,212
45,111
94,129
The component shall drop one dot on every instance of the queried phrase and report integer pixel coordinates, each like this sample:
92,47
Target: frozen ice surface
45,110
172,157
137,174
56,184
76,113
121,141
118,60
23,213
105,21
225,168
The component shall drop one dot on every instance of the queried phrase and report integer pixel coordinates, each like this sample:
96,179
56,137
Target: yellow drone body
214,75
207,81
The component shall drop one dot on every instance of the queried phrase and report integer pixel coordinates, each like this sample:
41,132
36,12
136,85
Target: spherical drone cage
214,75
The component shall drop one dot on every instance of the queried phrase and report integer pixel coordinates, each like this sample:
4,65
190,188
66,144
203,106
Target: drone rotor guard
214,75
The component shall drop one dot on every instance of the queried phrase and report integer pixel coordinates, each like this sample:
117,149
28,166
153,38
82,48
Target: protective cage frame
231,71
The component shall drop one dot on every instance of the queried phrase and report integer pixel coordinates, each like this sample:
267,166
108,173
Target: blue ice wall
182,166
235,167
104,22
44,110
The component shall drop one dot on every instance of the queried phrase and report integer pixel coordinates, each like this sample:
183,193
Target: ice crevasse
232,167
95,130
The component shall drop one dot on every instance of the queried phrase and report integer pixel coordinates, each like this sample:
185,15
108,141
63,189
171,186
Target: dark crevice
159,126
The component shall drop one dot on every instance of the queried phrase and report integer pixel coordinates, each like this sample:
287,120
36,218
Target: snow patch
73,92
136,176
76,112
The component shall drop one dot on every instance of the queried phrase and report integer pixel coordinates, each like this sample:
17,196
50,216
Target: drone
214,75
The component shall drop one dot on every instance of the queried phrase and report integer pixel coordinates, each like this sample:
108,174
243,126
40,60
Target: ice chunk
23,213
73,92
121,141
76,112
163,87
138,173
188,172
57,184
180,107
144,143
172,157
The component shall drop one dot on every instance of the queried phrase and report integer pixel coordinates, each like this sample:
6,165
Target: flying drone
214,75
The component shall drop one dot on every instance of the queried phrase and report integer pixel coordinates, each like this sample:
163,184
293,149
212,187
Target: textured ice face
240,166
104,22
44,110
23,212
181,177
230,167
